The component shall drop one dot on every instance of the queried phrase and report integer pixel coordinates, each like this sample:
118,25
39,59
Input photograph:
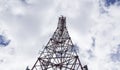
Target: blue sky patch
111,2
3,41
116,56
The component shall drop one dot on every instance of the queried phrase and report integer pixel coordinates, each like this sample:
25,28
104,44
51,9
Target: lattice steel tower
59,53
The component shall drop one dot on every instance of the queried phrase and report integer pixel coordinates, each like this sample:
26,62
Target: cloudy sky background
94,25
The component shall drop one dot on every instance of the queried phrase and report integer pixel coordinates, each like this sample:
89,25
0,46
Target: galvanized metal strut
59,53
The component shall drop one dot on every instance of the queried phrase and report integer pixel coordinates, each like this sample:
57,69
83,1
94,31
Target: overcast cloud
29,24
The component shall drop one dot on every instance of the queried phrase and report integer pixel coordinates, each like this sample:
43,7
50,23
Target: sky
28,24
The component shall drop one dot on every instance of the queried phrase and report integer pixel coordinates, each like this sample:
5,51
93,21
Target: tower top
62,22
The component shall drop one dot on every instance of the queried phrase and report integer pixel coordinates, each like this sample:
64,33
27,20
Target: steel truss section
60,52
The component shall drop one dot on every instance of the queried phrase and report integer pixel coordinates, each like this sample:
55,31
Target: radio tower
60,52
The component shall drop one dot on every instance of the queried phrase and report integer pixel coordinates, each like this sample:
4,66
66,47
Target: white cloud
30,23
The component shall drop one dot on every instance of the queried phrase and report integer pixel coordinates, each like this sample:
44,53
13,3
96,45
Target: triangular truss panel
59,53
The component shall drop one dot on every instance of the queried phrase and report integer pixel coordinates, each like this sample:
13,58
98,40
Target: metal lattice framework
59,53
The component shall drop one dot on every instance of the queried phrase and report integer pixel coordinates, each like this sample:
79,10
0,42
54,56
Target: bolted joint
76,56
39,58
85,67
